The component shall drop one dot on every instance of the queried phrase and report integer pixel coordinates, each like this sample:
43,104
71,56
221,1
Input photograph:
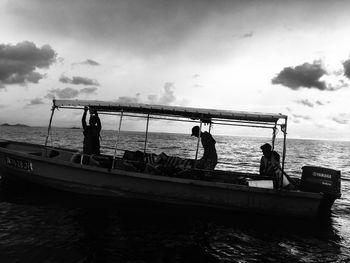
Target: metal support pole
274,135
144,150
49,128
117,139
284,142
284,130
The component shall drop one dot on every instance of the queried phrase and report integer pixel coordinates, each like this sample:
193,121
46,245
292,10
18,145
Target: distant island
14,125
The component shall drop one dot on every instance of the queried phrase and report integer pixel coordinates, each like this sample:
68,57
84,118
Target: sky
290,57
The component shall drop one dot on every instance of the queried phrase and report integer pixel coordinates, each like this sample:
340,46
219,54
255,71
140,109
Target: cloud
88,91
19,62
340,120
195,76
299,116
66,93
126,99
311,104
149,27
306,75
78,80
244,35
305,102
36,101
346,65
166,98
321,103
343,118
248,35
88,62
70,93
153,99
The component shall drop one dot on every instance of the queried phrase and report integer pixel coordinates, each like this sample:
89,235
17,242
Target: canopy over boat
210,116
186,112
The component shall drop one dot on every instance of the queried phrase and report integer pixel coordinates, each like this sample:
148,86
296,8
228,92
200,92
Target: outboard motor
321,180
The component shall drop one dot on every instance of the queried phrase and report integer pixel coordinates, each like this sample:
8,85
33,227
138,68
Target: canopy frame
184,114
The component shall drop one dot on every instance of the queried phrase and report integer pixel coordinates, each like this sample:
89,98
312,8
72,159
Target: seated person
270,166
270,161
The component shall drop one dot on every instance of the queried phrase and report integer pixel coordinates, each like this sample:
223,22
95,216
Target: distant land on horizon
24,125
16,125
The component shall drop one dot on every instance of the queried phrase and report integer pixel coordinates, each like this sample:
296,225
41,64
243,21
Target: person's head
195,131
266,149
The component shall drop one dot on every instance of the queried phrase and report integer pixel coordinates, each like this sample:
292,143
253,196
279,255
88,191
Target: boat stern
322,180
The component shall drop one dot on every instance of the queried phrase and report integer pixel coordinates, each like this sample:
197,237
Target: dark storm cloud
66,93
78,81
18,63
303,76
346,65
36,101
147,27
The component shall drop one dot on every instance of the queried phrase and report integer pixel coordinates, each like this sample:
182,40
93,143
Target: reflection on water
41,225
72,228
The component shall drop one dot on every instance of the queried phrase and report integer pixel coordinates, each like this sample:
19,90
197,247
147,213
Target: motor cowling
321,180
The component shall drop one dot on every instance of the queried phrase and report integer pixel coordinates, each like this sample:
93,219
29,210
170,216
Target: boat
138,175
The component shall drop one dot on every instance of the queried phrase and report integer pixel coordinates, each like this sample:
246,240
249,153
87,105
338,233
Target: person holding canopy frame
210,157
91,132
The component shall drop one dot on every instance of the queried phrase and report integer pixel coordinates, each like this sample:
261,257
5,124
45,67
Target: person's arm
262,166
99,126
83,119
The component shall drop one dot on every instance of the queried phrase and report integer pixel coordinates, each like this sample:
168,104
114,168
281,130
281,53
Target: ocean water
41,225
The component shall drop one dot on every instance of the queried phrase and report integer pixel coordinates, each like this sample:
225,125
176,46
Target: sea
45,225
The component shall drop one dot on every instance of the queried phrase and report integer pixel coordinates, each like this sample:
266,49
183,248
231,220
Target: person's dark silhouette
210,157
91,133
